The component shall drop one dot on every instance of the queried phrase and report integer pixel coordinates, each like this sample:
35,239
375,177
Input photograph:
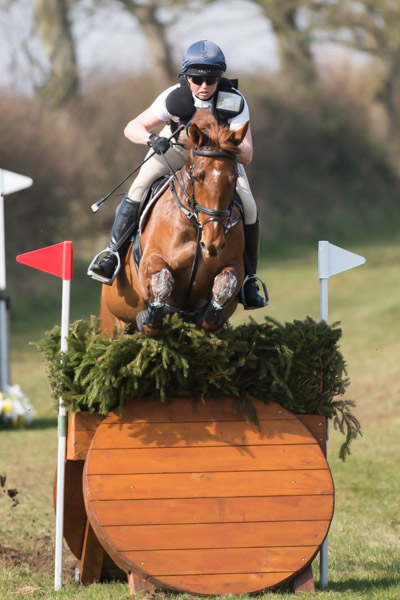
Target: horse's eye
199,177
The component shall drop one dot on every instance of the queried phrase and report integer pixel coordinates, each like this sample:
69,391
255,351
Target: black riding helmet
203,58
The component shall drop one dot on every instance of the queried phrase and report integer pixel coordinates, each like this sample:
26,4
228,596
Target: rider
201,85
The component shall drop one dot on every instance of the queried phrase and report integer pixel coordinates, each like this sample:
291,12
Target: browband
214,154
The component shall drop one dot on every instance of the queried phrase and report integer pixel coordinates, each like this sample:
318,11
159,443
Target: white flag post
62,444
331,261
9,183
57,260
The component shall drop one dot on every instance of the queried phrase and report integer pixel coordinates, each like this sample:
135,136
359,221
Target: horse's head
212,174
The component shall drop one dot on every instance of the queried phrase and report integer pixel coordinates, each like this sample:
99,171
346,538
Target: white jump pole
62,441
331,260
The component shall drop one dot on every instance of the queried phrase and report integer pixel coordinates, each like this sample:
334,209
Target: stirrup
106,280
242,293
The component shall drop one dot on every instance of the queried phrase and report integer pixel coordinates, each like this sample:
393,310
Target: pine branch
299,365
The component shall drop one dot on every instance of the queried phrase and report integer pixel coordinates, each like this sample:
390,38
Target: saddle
149,198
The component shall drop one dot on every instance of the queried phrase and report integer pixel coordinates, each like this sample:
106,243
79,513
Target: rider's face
202,89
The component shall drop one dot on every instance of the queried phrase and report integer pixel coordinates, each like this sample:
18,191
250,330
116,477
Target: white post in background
331,261
9,183
4,374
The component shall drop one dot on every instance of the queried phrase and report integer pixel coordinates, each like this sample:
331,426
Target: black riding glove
159,144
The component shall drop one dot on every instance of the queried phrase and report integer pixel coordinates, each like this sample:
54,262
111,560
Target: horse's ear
198,137
238,136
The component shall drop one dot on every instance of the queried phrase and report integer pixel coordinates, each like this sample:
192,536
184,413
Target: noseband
215,215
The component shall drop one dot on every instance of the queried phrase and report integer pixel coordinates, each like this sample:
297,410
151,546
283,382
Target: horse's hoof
143,326
149,330
141,320
209,326
210,322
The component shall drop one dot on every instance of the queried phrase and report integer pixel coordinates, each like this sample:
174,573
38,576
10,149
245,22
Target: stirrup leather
106,280
242,292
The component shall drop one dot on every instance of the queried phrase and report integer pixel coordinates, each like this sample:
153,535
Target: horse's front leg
224,288
160,286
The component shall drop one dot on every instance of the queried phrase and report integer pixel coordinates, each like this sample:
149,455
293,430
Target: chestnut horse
192,245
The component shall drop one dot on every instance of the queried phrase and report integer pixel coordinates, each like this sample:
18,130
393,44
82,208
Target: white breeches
156,167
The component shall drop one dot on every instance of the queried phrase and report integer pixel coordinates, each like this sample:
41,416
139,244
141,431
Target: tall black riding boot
125,224
251,298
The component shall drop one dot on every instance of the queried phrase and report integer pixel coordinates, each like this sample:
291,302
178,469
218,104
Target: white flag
13,182
333,260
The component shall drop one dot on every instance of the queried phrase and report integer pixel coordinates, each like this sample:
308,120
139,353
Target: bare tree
54,28
294,36
374,29
154,30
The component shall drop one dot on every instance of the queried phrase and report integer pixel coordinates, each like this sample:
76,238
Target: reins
97,205
192,215
196,208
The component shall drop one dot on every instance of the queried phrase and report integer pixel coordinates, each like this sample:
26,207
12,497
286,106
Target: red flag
56,260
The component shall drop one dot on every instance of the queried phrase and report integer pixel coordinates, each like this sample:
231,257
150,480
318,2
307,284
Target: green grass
364,537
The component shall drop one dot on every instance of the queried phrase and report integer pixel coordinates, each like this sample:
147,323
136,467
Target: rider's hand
159,144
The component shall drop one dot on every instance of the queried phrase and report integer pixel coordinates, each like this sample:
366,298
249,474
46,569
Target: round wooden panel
194,498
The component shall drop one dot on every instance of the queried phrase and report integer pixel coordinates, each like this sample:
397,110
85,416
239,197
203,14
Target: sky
111,40
237,26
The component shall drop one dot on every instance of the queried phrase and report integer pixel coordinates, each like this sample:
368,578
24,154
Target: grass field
364,540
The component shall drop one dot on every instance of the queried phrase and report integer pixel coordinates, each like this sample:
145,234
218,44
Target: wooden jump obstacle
193,498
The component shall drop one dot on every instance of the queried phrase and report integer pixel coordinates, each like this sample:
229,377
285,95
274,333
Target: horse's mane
218,137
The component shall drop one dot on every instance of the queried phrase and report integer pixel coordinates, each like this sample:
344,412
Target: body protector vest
227,103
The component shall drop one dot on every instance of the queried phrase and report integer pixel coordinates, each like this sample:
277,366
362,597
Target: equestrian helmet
203,58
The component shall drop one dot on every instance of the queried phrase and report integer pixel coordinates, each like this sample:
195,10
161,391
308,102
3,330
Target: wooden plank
317,425
78,444
236,583
81,429
85,420
138,584
74,507
187,434
187,460
193,500
177,410
209,485
212,510
304,581
217,535
91,562
226,561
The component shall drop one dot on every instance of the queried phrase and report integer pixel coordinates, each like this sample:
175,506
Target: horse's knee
150,321
161,285
213,317
224,287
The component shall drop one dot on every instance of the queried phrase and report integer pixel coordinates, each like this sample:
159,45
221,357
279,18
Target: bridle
192,213
215,215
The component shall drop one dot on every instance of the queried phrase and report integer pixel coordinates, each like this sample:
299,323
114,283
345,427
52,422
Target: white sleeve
159,107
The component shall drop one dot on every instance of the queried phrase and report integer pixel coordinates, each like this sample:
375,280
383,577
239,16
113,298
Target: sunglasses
197,80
